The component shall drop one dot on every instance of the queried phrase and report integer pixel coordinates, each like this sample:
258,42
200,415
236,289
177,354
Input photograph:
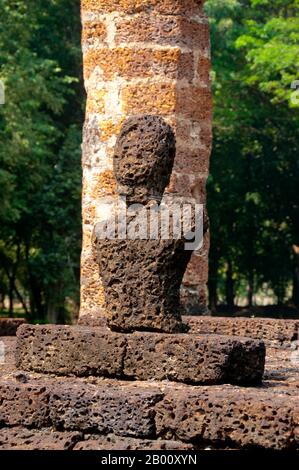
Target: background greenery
40,176
253,188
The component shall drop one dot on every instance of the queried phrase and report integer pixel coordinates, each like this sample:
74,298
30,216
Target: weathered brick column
144,56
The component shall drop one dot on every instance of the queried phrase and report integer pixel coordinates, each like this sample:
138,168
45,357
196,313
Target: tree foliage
40,131
253,188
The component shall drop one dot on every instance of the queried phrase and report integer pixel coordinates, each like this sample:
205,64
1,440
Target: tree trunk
250,289
36,305
20,297
12,280
213,284
229,286
296,276
2,301
213,297
55,304
52,311
11,296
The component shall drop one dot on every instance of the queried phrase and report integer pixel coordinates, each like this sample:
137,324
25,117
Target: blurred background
253,189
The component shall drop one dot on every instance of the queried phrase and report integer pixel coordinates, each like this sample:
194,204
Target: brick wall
144,56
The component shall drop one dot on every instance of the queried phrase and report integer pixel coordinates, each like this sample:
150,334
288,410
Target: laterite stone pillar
144,56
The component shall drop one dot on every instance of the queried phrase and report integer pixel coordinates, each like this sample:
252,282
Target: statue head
143,158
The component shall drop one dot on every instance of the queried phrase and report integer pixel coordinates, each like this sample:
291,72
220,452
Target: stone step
277,332
217,416
273,331
188,358
19,438
112,442
71,404
238,417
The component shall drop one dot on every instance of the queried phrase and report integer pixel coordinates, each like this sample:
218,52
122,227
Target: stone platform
274,332
42,411
93,351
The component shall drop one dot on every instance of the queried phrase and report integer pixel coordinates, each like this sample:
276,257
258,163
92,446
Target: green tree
271,40
40,129
252,190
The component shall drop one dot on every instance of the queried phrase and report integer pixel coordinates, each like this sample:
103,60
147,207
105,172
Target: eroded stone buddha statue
142,276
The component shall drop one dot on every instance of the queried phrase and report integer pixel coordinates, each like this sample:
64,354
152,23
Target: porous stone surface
144,57
208,359
219,416
19,438
272,331
74,405
24,404
237,417
142,281
112,442
9,326
66,350
91,320
143,158
133,6
189,358
142,277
